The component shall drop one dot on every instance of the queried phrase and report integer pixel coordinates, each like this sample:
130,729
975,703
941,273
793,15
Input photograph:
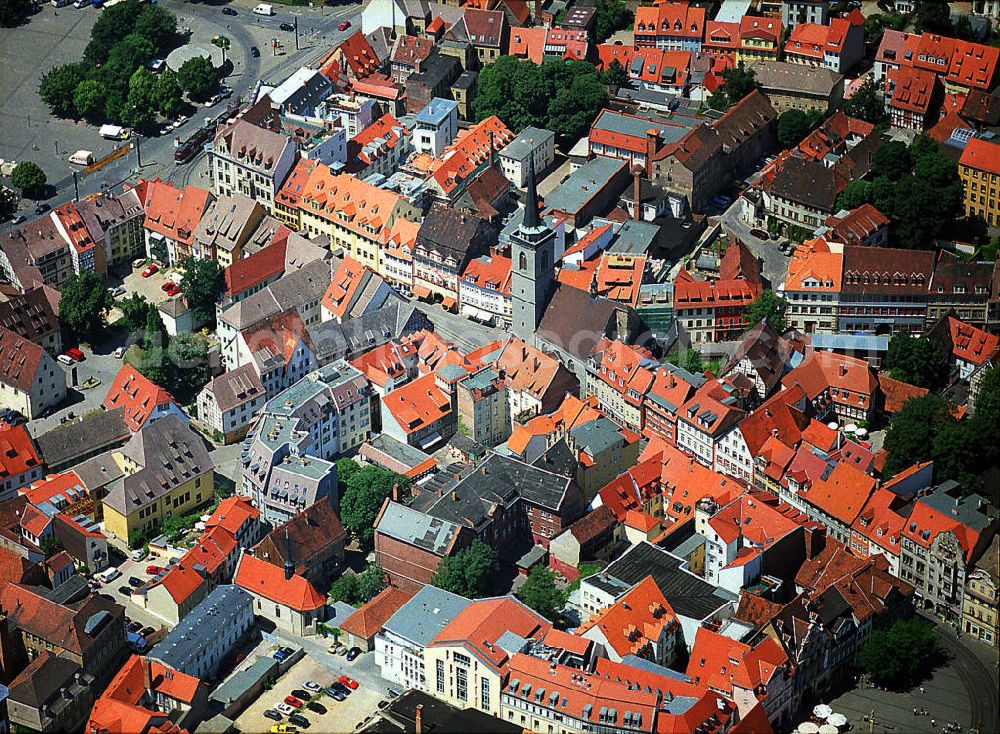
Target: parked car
75,354
284,708
125,590
135,582
311,685
141,553
153,570
273,715
229,11
316,707
134,626
19,219
147,631
344,26
393,692
225,92
345,680
118,354
81,4
282,729
336,694
300,694
353,654
760,234
170,288
41,208
337,686
255,52
293,702
118,291
150,270
299,720
286,27
288,651
12,417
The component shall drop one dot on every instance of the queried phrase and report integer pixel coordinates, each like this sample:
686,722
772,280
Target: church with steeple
533,276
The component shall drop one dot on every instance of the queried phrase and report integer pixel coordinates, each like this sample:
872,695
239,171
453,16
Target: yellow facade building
980,612
979,169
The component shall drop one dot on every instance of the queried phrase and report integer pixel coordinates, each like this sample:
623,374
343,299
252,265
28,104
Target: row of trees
112,82
13,12
562,96
926,429
917,186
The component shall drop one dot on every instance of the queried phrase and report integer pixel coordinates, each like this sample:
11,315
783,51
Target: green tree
962,28
346,468
610,16
688,359
932,16
739,82
28,177
189,362
58,87
345,589
865,103
50,545
855,194
910,438
197,76
134,310
958,454
83,309
356,589
131,53
793,126
202,284
362,498
155,336
153,363
615,75
13,12
168,95
770,307
140,105
892,160
112,25
469,572
915,360
158,25
574,107
899,656
541,593
89,99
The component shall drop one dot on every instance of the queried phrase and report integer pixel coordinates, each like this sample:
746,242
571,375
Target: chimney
289,564
636,186
454,496
395,492
418,718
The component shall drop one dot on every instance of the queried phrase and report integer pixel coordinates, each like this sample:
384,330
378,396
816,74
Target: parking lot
340,716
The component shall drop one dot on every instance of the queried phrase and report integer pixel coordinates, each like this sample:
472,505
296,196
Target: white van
82,158
264,9
108,575
61,3
113,132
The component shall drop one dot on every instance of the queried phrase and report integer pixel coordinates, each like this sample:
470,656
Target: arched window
522,263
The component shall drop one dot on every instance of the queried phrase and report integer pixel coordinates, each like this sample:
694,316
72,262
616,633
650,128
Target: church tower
532,265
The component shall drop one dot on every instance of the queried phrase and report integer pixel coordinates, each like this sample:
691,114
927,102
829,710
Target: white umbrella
827,729
821,711
807,727
833,425
837,720
851,428
861,432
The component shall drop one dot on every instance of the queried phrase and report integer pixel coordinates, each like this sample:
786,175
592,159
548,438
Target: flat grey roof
671,128
185,642
583,184
416,528
530,138
425,615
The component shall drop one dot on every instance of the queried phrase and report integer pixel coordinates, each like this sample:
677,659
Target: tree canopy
197,76
914,359
562,96
84,306
540,592
932,16
356,589
58,87
794,125
897,657
202,284
361,498
739,82
29,177
13,11
865,103
610,16
469,572
770,307
687,359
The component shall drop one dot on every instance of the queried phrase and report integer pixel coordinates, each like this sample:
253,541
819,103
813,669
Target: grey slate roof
95,432
343,341
185,642
425,615
410,526
689,595
583,184
528,140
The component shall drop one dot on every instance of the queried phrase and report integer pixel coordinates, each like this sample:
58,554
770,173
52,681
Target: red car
153,570
75,354
150,269
344,26
346,681
171,288
293,702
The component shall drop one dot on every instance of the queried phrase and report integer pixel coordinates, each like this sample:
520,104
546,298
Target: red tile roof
370,617
969,343
981,155
120,709
358,55
137,394
265,264
264,579
910,89
418,404
470,151
18,453
722,663
753,518
842,494
479,625
345,284
634,624
489,271
19,360
232,514
173,212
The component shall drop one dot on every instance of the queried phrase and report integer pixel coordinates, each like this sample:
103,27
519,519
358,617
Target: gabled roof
479,625
137,394
20,360
264,579
634,624
418,404
174,212
18,453
370,617
247,272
